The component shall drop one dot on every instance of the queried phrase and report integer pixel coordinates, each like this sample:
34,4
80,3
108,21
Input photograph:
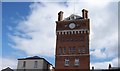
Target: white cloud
110,44
8,62
98,53
104,65
100,65
104,31
58,0
40,27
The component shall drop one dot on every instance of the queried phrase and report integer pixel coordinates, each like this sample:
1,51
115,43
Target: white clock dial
72,25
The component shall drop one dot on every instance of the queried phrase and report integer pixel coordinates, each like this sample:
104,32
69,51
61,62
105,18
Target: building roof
7,69
73,17
33,58
115,68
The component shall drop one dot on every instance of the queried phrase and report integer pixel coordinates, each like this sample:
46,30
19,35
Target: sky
28,29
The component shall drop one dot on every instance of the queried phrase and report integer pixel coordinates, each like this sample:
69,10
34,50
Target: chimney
60,16
93,68
85,14
109,66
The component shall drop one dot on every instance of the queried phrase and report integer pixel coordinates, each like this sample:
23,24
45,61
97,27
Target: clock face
72,25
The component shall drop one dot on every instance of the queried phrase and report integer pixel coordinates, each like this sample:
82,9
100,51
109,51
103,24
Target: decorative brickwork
72,42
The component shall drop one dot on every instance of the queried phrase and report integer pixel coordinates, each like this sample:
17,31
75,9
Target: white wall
30,64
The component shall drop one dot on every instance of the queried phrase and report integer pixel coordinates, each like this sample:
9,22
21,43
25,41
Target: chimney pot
93,68
110,66
60,16
85,14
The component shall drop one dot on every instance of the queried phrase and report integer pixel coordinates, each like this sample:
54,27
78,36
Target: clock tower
72,42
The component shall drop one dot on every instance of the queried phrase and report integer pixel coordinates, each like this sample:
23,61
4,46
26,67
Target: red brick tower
72,42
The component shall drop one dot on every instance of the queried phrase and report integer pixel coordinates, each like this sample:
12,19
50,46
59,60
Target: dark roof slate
73,17
7,69
34,57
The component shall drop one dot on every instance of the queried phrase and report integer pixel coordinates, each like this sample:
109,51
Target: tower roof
73,17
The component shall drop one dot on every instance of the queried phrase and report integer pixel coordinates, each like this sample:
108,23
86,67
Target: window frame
64,50
66,63
79,50
24,64
77,62
35,64
60,51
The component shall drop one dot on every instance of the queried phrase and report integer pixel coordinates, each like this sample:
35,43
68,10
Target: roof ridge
73,17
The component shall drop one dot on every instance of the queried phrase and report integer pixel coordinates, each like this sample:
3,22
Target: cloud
104,32
39,27
35,35
105,65
109,44
59,1
100,65
98,53
8,62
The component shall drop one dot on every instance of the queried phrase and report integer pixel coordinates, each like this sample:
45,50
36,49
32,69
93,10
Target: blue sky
12,14
28,29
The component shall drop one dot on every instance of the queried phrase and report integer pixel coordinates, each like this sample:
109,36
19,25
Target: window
71,50
24,63
83,50
35,64
79,50
64,50
60,50
66,62
76,62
